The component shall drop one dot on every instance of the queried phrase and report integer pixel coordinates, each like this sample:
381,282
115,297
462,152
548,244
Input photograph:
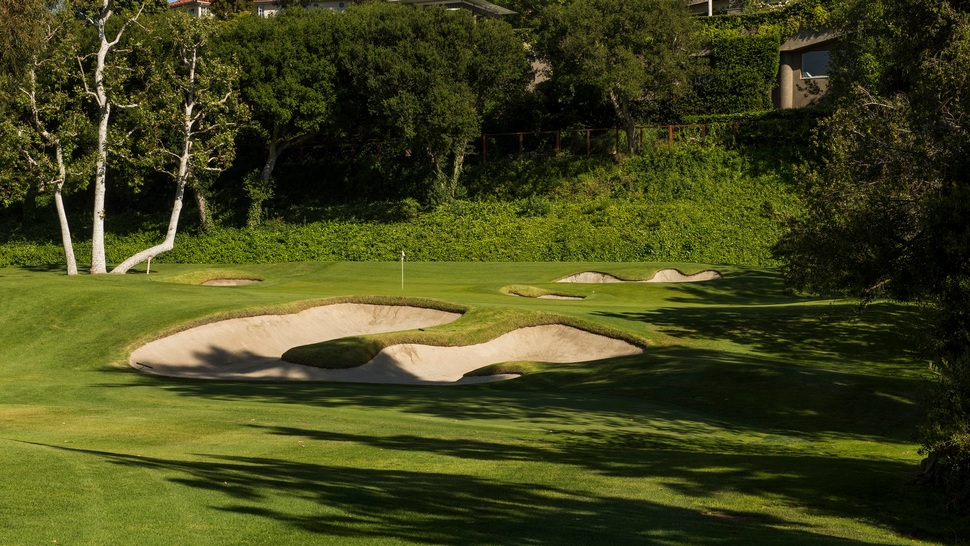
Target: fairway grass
752,417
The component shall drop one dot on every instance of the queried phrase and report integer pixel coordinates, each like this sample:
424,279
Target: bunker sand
663,275
250,348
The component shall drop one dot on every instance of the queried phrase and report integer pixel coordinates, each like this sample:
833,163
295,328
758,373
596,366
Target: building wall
800,85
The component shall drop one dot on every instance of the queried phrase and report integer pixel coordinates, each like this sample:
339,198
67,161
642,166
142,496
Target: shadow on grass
727,390
444,508
882,340
49,268
744,287
743,393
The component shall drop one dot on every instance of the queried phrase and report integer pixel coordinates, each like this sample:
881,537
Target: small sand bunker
250,348
230,282
663,275
547,296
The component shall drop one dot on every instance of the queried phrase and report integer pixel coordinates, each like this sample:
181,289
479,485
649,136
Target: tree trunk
166,245
181,179
58,183
622,110
69,258
203,205
459,162
261,190
100,22
98,260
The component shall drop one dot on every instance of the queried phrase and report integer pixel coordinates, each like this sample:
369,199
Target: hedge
683,204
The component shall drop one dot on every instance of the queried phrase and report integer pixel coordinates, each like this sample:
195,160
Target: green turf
753,417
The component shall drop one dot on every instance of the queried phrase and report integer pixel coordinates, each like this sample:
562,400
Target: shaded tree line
125,102
888,201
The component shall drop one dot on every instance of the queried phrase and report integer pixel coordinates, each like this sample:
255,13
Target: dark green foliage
945,435
793,17
227,9
637,56
743,71
888,208
419,83
288,81
684,204
21,31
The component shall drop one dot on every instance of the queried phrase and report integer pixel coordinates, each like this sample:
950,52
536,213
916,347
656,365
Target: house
730,7
714,7
481,8
803,70
269,8
195,8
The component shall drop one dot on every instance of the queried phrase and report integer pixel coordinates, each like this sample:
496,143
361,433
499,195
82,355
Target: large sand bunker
250,348
663,275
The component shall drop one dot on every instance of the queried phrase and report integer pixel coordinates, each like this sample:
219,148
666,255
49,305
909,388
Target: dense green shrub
684,203
743,70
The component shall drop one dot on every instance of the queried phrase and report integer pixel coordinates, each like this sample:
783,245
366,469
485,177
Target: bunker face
250,348
663,275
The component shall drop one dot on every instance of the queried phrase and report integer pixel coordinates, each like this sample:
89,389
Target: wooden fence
591,141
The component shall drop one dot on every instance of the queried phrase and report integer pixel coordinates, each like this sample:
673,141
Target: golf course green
752,416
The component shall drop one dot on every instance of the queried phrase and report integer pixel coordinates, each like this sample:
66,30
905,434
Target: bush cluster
685,203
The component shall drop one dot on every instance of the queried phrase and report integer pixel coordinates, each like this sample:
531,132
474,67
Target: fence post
589,149
521,144
484,148
558,142
670,135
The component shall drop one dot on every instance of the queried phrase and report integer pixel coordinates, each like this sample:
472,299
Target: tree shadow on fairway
745,392
744,287
882,340
711,388
700,467
440,508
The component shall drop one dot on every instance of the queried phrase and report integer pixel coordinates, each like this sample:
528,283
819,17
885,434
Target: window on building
815,64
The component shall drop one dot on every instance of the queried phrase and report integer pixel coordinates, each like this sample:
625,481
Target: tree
49,118
100,15
889,203
187,116
21,30
636,54
287,81
227,9
423,79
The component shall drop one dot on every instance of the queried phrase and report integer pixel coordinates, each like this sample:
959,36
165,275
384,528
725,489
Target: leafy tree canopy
21,28
639,55
889,205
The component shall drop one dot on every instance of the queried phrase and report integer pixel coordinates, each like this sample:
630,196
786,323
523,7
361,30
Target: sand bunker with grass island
250,348
663,275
